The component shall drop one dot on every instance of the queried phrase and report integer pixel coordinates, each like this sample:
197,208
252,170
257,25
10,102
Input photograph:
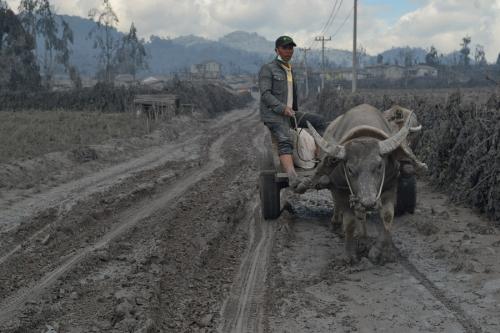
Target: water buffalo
359,164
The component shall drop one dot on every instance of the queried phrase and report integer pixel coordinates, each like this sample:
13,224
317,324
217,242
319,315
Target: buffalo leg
339,205
349,224
382,251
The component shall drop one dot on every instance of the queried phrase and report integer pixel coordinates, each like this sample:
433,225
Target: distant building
124,80
156,107
386,72
210,70
344,74
153,82
382,72
423,71
241,82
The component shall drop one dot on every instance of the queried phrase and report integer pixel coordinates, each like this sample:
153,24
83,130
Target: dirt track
174,242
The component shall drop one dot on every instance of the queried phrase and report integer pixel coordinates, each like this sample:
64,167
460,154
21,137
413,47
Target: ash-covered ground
171,240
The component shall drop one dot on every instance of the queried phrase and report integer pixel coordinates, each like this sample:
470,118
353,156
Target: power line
344,22
334,16
354,56
330,18
327,23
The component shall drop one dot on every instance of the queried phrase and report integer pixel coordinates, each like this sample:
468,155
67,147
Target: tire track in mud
311,291
129,218
64,198
243,309
469,324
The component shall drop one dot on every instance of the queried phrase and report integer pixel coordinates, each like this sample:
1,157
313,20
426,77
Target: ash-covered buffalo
360,166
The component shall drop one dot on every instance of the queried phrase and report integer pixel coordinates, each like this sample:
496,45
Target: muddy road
173,242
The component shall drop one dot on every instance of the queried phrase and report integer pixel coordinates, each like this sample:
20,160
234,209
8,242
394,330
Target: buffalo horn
415,129
390,144
334,150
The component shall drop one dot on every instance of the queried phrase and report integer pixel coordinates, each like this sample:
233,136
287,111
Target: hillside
238,52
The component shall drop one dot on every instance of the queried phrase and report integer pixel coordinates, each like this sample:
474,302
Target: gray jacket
274,92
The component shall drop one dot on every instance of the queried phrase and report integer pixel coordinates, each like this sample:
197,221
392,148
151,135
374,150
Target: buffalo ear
331,149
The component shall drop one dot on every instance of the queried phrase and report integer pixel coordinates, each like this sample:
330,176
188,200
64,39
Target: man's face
285,52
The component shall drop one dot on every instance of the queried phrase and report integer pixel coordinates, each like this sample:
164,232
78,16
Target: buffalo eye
350,171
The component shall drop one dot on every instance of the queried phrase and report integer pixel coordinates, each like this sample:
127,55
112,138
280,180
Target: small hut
156,107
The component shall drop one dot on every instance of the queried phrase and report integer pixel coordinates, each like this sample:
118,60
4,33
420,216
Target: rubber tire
265,160
407,195
269,191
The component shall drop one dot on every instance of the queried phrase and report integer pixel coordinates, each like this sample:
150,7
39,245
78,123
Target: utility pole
354,55
322,39
305,68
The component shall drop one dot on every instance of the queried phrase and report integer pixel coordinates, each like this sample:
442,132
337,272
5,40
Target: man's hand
288,112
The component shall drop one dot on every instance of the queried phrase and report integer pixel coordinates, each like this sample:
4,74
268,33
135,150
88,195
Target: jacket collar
280,64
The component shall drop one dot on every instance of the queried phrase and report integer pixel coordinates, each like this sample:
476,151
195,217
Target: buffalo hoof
336,228
350,260
381,256
300,186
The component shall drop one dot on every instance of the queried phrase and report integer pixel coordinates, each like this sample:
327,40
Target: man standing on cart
279,107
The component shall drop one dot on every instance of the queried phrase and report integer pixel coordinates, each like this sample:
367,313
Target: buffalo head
364,162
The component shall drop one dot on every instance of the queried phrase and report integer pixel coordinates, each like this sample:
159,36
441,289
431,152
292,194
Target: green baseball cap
284,40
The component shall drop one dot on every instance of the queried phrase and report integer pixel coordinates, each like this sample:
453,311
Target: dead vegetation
31,134
208,97
97,115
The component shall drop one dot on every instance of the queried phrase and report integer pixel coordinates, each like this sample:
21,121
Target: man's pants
280,131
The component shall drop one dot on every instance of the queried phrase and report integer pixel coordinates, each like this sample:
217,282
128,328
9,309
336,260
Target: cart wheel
269,195
407,194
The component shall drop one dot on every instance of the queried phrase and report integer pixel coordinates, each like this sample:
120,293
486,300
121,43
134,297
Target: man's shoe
299,184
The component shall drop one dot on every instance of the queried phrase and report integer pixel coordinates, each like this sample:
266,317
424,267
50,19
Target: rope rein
353,198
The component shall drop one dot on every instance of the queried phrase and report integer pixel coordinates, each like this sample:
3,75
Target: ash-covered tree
361,55
131,55
18,67
40,20
465,51
480,56
406,56
106,21
63,55
380,59
27,14
431,58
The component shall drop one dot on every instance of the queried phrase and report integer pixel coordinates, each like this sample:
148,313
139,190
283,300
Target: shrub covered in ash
460,140
207,97
460,143
18,67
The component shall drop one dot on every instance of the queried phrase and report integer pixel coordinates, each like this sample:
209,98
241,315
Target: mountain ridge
238,52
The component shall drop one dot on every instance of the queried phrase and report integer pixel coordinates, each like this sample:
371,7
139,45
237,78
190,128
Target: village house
209,70
423,71
124,80
386,72
344,74
154,82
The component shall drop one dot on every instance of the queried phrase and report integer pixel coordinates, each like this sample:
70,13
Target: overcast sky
381,24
